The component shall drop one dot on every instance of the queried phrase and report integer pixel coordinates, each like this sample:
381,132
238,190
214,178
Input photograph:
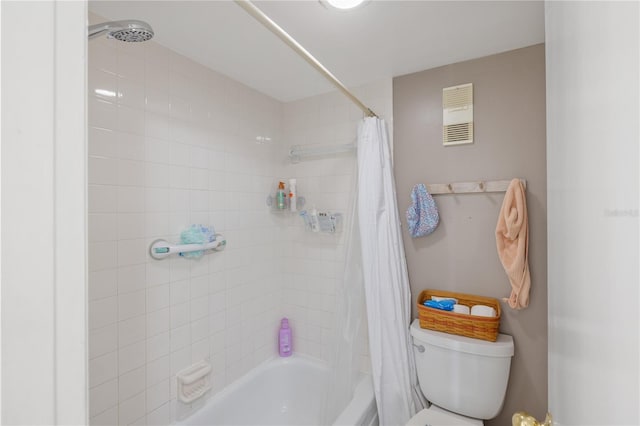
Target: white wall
172,143
592,151
43,213
313,264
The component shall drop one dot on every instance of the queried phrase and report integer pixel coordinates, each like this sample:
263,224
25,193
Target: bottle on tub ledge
284,338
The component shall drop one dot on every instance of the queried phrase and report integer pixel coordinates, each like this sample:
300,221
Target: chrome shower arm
99,29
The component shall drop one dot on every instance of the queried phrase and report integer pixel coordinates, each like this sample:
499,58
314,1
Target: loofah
197,234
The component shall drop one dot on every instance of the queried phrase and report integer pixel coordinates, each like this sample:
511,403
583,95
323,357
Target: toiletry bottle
284,338
292,195
280,197
315,223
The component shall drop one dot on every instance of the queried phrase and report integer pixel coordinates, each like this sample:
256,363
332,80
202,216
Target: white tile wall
172,143
314,263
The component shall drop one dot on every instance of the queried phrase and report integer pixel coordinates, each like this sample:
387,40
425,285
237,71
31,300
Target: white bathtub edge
264,365
362,409
232,387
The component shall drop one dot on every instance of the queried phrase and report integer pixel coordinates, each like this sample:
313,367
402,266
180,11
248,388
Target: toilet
464,379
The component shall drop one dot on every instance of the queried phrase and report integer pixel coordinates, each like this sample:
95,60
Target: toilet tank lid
502,347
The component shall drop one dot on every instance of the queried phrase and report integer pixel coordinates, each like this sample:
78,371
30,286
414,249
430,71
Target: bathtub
284,391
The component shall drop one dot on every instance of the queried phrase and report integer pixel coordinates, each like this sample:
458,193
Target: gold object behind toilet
523,419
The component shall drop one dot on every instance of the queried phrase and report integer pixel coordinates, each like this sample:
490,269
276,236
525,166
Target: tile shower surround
172,143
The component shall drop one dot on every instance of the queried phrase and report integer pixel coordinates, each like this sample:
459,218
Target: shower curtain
350,325
387,293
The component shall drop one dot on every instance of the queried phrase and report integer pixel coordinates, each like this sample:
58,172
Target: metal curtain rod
252,10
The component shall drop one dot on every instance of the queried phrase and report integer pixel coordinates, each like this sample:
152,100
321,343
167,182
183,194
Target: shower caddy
328,222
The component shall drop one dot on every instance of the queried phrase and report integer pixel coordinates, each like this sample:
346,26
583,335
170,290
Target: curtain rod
252,10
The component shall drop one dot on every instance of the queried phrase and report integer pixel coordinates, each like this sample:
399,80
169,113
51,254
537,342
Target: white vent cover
457,114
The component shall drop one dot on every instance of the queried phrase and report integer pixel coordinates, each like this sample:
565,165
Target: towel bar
470,187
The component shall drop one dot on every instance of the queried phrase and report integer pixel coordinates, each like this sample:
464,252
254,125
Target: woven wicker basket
485,328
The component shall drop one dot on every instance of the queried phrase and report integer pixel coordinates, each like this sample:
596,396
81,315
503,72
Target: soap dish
193,382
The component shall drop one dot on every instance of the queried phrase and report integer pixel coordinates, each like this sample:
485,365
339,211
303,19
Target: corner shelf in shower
271,202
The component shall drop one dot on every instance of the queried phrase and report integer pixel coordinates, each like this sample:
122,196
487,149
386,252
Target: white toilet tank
460,374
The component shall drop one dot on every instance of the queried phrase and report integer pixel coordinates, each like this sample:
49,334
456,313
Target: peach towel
512,239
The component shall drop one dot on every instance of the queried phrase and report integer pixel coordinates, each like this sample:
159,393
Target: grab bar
160,249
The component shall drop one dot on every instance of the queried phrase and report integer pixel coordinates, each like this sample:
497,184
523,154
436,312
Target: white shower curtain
387,292
350,324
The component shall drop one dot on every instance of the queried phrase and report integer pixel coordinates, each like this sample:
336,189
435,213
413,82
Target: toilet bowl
464,379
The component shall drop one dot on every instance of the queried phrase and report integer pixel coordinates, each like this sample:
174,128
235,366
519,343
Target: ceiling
380,39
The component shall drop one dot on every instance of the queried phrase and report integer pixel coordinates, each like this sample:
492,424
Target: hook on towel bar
470,187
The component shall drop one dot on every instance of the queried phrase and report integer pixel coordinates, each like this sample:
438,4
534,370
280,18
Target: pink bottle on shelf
284,338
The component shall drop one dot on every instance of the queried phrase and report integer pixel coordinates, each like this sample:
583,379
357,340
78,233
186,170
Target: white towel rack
470,187
160,249
298,152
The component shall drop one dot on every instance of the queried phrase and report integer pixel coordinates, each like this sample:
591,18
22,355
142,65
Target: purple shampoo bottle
284,338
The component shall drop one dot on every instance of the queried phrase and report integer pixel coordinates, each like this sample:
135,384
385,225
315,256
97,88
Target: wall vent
457,114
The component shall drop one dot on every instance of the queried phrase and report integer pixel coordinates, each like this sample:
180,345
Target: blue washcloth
445,305
422,216
197,234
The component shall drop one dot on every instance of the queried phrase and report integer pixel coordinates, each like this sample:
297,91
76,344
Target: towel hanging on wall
512,239
422,216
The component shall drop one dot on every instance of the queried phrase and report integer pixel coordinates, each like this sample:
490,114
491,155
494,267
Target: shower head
129,30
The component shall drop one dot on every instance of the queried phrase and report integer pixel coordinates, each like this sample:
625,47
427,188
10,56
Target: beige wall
509,141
